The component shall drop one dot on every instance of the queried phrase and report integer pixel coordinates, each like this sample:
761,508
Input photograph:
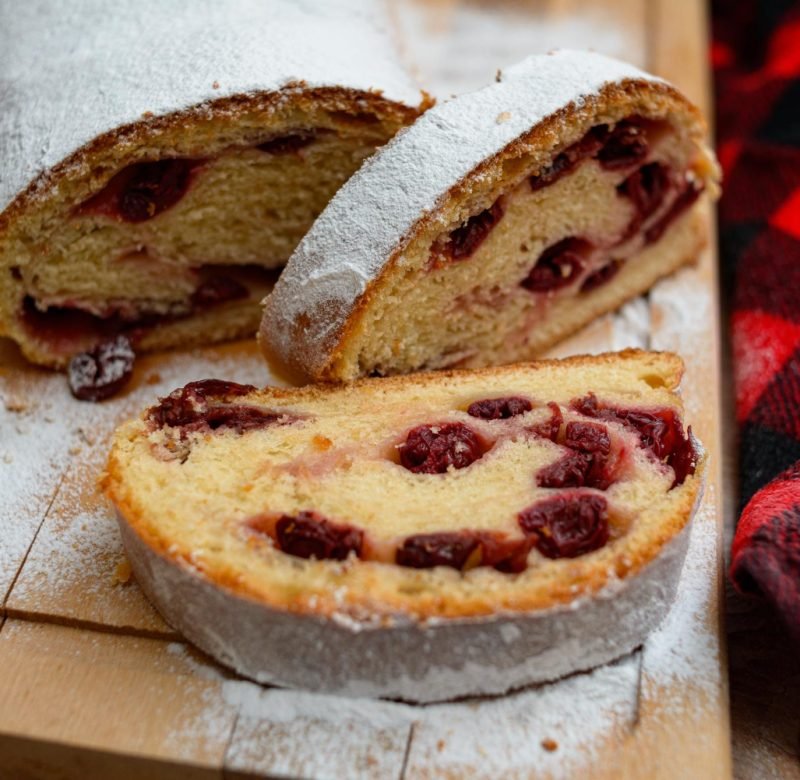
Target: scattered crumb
76,450
8,458
215,85
322,443
85,437
153,379
503,117
440,745
14,403
148,115
123,572
549,744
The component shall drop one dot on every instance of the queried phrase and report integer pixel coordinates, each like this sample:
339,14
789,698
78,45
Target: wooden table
94,681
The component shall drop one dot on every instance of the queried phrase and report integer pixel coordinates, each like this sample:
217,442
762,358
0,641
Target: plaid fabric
756,58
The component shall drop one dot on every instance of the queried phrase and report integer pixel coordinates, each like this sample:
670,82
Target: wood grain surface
96,684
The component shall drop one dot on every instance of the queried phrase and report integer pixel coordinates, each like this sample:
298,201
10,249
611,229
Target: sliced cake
421,537
157,176
500,222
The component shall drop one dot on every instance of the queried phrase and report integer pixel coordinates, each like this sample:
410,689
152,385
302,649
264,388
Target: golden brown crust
358,589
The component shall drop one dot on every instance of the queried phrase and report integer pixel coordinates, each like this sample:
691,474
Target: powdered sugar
72,71
374,212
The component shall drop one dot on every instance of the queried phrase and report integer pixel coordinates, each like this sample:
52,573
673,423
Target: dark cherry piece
289,144
586,463
569,470
647,188
558,266
601,276
567,525
102,371
216,290
465,240
431,449
549,429
143,190
308,535
684,200
567,160
204,404
626,146
660,431
499,408
424,551
464,550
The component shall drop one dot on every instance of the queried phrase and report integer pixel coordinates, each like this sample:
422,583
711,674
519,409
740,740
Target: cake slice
422,537
499,223
161,162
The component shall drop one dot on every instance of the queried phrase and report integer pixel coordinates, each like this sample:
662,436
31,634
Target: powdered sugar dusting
72,71
686,647
370,216
480,738
57,448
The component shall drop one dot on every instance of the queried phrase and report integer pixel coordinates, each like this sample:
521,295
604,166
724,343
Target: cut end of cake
588,207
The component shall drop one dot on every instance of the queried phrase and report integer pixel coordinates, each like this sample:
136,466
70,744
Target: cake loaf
161,162
423,537
499,223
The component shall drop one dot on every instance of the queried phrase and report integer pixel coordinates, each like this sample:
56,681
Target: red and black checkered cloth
756,58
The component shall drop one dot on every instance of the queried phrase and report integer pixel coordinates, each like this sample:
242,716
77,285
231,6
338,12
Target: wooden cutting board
94,683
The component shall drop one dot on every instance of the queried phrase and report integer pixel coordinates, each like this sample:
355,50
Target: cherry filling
659,430
65,329
567,525
549,429
143,190
588,462
626,146
205,405
601,276
566,161
433,449
291,143
685,199
558,266
499,408
308,535
464,550
647,188
615,149
464,241
217,290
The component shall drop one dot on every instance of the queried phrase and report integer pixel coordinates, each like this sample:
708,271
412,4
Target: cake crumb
549,744
322,443
440,745
15,403
153,379
123,572
215,85
504,116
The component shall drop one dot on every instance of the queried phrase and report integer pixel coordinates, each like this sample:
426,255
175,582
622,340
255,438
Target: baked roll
161,162
422,537
499,223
